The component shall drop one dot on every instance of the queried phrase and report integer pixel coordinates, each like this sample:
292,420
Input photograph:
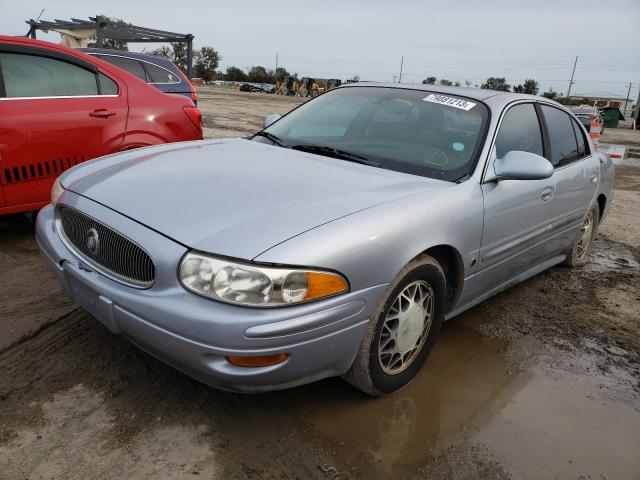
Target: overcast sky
458,40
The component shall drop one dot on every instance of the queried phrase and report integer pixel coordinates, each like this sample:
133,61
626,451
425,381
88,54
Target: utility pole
394,79
572,74
401,65
626,102
276,63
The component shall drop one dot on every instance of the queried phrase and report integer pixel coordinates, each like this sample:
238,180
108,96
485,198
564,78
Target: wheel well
451,262
602,201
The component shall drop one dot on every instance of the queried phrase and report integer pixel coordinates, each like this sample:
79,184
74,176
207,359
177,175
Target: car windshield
413,131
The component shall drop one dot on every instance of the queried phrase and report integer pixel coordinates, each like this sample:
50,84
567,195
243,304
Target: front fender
370,247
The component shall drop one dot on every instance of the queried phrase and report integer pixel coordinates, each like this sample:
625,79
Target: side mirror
518,165
274,117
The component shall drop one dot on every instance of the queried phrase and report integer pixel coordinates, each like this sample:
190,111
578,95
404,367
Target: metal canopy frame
123,32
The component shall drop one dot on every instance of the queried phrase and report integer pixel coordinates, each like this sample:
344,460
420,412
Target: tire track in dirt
140,395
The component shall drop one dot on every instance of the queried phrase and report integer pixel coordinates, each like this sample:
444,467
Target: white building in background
606,99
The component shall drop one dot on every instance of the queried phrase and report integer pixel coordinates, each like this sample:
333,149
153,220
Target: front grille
105,249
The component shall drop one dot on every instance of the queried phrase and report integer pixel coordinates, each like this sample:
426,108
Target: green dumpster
611,116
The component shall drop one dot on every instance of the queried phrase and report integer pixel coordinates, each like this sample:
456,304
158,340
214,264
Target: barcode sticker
450,101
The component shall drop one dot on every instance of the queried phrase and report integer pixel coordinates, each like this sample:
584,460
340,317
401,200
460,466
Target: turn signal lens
305,286
324,284
265,361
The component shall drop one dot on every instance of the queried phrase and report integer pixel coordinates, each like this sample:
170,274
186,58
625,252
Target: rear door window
520,130
35,76
583,149
129,64
562,138
160,75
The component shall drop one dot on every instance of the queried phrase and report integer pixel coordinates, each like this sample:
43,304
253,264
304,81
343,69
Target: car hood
236,197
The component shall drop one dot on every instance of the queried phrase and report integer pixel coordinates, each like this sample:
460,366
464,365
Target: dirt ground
542,381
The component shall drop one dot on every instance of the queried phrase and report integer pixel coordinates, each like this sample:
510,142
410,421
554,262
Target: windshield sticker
435,156
457,146
450,101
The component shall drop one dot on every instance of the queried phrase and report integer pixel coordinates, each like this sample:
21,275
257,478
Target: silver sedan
335,241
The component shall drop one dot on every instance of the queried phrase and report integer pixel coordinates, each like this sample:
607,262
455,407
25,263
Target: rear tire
402,329
583,245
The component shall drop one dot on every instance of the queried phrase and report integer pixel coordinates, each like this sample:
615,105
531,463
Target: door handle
102,113
594,178
546,194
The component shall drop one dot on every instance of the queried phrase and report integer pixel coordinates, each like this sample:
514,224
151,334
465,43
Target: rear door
576,173
56,111
518,213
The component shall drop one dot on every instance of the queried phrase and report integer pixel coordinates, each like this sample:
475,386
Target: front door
518,213
55,112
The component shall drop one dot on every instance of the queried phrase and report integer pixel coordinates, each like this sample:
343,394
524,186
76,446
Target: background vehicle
250,87
160,72
587,115
332,83
60,107
308,87
287,86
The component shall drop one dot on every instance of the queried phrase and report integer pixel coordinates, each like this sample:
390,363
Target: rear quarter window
583,148
160,75
107,86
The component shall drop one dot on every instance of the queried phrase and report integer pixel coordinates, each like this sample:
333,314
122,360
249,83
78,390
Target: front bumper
195,334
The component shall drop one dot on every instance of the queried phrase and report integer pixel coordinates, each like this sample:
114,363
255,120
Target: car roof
493,98
160,61
9,39
78,54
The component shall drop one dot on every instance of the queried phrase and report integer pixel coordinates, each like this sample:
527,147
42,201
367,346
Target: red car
60,107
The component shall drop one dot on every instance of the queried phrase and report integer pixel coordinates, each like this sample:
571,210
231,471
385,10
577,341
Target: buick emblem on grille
93,241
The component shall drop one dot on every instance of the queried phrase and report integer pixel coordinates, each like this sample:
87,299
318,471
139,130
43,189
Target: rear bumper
194,334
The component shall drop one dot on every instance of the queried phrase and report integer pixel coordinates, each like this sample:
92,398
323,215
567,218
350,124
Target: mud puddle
611,257
472,406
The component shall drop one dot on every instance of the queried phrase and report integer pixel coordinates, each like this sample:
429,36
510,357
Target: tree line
206,61
530,87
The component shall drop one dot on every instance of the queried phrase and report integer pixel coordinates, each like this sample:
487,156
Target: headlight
247,284
56,191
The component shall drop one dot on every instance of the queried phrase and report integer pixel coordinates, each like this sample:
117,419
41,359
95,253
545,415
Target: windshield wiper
274,138
336,153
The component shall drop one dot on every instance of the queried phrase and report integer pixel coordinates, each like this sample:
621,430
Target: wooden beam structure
120,31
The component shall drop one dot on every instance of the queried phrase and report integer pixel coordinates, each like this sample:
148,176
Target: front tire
402,329
583,244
